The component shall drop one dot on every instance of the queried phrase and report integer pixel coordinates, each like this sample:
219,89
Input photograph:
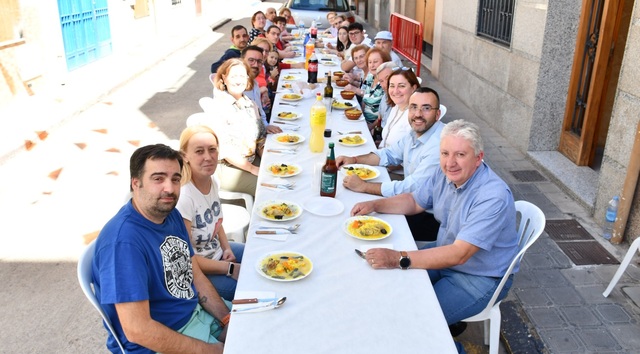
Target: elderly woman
286,13
239,128
201,210
357,74
371,89
258,21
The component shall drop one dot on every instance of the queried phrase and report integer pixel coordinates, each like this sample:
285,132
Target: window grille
495,20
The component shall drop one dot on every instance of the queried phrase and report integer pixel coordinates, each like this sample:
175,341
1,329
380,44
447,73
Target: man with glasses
254,57
356,35
418,152
273,36
240,39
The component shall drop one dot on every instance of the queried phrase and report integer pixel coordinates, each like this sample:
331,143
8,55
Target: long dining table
343,305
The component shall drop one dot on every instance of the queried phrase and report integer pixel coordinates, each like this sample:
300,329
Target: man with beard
144,271
418,152
240,39
254,57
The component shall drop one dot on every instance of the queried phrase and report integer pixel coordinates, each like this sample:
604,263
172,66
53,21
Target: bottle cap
327,133
331,145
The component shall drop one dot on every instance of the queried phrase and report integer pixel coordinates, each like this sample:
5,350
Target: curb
219,24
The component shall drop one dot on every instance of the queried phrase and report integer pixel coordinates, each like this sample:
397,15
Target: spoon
290,228
268,305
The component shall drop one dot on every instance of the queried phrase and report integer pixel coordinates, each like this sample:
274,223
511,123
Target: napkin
251,295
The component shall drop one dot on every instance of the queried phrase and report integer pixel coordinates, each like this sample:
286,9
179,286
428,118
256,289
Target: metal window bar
495,20
586,69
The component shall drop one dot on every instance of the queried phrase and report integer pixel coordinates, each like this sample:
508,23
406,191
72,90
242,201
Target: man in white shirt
384,41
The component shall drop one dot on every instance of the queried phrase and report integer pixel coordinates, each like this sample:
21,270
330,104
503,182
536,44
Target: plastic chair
236,218
532,221
200,118
86,284
207,104
443,111
623,266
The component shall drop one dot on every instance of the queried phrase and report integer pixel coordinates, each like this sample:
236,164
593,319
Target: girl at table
201,210
371,90
342,42
258,21
239,128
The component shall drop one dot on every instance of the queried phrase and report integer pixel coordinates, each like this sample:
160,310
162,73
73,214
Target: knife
255,300
362,255
266,305
273,232
285,123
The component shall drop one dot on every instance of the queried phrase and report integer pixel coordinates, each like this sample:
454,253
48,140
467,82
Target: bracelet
225,320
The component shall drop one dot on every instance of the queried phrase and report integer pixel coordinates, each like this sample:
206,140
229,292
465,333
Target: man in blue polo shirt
477,239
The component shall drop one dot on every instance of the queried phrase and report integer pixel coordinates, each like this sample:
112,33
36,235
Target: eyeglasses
423,109
354,33
404,68
254,61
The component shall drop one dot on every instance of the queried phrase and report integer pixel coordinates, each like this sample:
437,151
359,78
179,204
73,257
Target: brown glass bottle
329,175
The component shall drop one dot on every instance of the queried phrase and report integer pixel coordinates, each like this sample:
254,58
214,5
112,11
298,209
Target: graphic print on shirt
203,241
178,271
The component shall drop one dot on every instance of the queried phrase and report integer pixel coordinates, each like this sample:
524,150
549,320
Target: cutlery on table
273,304
255,300
289,104
286,123
283,151
281,186
362,255
288,228
356,132
274,232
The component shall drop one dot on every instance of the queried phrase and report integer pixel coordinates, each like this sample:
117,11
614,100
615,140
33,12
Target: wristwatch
230,269
405,261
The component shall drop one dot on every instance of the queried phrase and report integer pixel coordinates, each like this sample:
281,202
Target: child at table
271,67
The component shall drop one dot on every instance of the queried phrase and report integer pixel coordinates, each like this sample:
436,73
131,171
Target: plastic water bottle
610,217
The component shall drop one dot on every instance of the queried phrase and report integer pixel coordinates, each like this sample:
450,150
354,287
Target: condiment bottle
317,121
329,175
328,92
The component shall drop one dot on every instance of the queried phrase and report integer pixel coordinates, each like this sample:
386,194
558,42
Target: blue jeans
226,286
463,295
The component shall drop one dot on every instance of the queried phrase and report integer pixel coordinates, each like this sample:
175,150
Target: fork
288,228
288,186
356,132
289,104
283,151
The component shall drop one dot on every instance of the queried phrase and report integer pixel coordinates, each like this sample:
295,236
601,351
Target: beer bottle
329,174
328,93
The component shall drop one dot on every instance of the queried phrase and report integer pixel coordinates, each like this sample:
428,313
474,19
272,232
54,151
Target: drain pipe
628,191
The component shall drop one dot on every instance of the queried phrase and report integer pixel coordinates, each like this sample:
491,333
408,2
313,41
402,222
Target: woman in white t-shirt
201,210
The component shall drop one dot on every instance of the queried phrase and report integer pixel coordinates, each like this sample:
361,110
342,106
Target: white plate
329,63
291,97
277,255
300,138
376,173
295,208
324,206
297,115
296,168
366,218
290,61
290,78
351,135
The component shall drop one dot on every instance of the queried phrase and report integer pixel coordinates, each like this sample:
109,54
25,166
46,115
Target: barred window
176,2
495,20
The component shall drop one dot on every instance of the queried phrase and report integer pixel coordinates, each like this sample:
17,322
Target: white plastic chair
86,284
443,111
532,222
236,218
207,104
623,266
200,118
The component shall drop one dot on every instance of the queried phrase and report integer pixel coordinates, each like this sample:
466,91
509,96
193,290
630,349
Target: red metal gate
407,38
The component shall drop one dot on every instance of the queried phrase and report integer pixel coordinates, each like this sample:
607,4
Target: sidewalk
553,307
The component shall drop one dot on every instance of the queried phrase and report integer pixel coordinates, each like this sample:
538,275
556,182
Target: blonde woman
201,210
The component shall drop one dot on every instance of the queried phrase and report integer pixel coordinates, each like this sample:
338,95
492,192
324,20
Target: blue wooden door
85,31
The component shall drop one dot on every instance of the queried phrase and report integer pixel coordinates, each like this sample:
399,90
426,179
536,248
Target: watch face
405,262
231,267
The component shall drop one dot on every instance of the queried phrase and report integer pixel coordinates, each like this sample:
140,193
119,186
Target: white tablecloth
343,306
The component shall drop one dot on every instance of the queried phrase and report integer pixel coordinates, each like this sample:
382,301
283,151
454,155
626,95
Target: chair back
207,104
530,227
86,284
443,111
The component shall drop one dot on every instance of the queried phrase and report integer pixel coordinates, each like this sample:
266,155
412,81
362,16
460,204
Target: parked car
309,10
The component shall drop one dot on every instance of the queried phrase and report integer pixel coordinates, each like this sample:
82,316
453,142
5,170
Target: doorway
600,45
425,13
